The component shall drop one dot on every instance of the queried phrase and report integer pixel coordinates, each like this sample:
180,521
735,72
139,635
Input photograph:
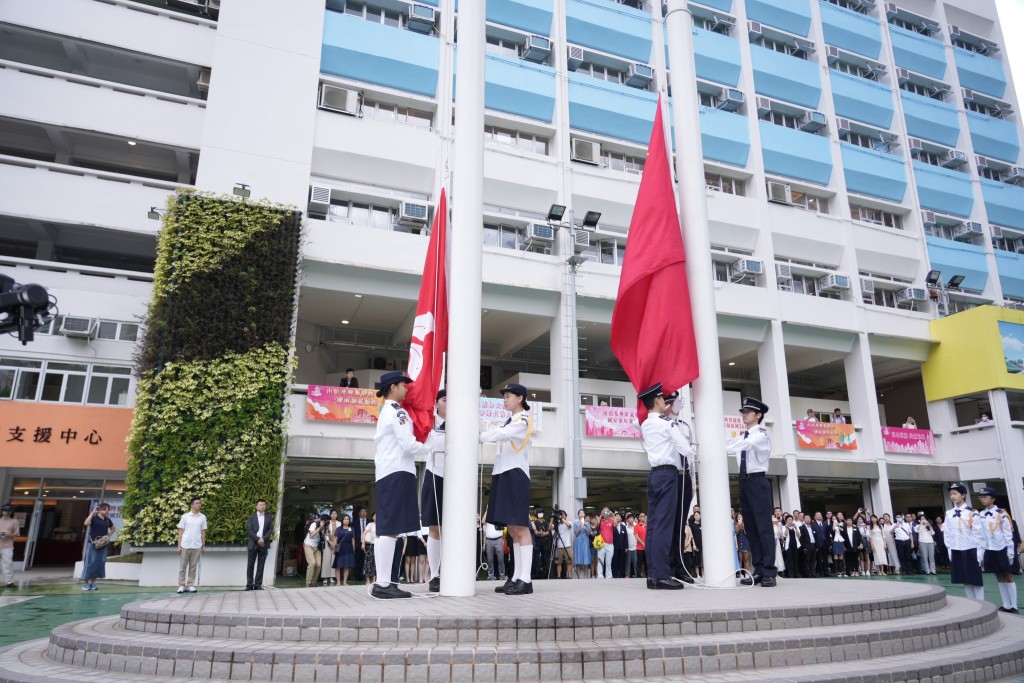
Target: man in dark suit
808,546
349,380
359,526
823,541
259,529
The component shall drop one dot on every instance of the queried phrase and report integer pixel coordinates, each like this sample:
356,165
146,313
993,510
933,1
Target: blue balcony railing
850,30
874,173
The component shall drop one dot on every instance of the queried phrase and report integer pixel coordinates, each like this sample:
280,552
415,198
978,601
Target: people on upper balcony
837,417
349,380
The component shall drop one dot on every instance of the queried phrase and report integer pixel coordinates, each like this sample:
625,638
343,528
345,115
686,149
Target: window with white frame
512,237
528,142
959,305
605,73
112,330
980,108
62,382
708,99
881,297
723,183
620,161
855,70
990,173
783,46
808,285
915,26
781,119
379,216
924,90
937,230
970,46
850,5
377,15
709,24
886,219
721,269
866,140
504,46
393,113
611,251
809,202
929,158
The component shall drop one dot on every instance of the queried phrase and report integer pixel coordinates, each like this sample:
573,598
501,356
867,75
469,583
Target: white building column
771,364
1010,448
860,385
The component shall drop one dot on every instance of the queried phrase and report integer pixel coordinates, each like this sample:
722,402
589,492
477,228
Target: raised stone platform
804,630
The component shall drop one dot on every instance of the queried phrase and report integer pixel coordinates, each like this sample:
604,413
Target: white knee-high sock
1004,594
526,559
434,556
1011,593
974,592
383,558
518,569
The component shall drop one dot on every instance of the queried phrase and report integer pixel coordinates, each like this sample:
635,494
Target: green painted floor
32,611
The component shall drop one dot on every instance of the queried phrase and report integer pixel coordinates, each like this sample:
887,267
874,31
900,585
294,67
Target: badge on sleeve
402,416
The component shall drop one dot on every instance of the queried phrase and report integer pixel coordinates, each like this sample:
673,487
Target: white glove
949,551
981,556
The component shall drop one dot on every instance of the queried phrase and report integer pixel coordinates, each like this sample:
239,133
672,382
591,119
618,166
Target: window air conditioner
902,75
1013,175
340,100
764,106
1020,245
540,232
954,158
982,163
82,328
203,82
812,122
911,294
754,29
843,127
867,286
730,99
319,199
833,53
783,273
586,151
968,95
537,49
997,232
916,147
929,220
639,76
780,193
413,214
954,33
967,231
575,57
581,240
749,267
213,8
891,10
421,19
833,282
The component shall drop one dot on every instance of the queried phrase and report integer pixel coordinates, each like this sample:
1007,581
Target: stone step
103,644
295,615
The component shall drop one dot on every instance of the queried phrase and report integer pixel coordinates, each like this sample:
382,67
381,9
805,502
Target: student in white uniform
509,504
996,547
397,506
962,540
432,492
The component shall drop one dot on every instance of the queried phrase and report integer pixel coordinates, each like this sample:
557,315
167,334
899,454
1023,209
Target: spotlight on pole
555,213
591,219
933,277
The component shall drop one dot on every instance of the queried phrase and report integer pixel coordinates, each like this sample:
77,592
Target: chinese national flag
652,324
430,329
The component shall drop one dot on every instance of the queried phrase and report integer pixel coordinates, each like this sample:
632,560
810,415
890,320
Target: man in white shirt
259,529
810,417
837,417
191,545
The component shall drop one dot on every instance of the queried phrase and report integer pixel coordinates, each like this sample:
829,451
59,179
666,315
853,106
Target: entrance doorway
837,495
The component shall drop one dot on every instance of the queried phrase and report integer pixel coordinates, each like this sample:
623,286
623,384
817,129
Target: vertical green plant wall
214,367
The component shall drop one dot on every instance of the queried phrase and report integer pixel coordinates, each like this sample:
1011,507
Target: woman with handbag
98,530
369,561
330,549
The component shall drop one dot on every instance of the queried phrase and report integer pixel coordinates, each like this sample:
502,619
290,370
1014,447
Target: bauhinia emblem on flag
652,324
430,329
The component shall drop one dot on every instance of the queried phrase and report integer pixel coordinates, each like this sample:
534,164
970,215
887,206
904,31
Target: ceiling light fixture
344,322
132,143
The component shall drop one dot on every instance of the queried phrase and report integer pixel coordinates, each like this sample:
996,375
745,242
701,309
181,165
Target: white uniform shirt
192,527
435,457
514,444
902,531
758,446
664,441
959,531
996,530
397,447
492,532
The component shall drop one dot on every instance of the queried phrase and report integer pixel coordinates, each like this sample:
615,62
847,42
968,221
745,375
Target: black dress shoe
520,588
767,582
435,585
665,585
388,593
650,583
248,588
257,588
683,577
505,586
747,581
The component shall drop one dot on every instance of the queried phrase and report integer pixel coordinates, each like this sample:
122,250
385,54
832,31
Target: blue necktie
956,513
743,458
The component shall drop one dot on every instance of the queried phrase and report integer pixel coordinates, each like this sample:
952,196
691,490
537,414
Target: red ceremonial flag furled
430,329
652,323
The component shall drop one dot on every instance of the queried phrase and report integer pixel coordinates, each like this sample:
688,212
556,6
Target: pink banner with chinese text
612,421
900,440
826,435
342,404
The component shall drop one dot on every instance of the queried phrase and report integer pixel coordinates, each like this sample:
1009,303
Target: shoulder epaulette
665,417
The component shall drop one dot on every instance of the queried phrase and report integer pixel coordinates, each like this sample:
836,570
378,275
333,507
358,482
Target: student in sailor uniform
996,547
754,449
509,504
676,406
432,492
665,445
397,509
962,541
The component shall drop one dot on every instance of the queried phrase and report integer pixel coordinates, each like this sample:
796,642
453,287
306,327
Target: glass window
508,238
491,235
360,214
74,388
20,363
112,369
108,330
98,390
28,386
129,332
119,391
7,379
381,218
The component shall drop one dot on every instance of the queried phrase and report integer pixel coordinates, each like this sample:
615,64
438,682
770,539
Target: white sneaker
190,589
181,589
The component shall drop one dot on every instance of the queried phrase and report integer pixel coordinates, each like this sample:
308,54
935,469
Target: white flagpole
458,551
707,390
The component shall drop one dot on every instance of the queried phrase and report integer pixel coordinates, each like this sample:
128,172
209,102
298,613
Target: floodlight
956,281
555,213
591,219
933,277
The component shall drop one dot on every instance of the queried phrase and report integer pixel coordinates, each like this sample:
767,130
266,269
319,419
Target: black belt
751,475
661,468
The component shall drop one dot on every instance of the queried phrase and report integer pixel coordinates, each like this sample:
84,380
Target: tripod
556,544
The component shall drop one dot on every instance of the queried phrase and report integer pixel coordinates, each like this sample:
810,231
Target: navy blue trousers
756,506
663,488
684,497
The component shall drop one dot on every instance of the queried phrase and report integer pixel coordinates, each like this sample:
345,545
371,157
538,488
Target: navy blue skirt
996,562
965,568
509,504
397,510
431,499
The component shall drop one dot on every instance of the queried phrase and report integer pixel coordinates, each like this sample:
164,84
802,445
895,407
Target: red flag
430,329
652,324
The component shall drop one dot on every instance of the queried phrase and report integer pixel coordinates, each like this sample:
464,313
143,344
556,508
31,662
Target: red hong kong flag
652,324
430,329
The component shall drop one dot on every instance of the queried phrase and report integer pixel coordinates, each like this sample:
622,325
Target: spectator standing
891,551
345,550
330,549
641,544
259,531
495,555
926,545
594,531
360,529
312,546
742,544
98,530
901,533
911,423
852,543
698,544
791,548
349,380
369,538
563,544
541,544
808,545
837,417
632,569
810,417
838,546
581,535
9,528
822,541
878,552
606,553
621,546
941,552
191,546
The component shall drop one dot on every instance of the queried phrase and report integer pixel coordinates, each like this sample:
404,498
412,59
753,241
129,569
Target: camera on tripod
24,308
